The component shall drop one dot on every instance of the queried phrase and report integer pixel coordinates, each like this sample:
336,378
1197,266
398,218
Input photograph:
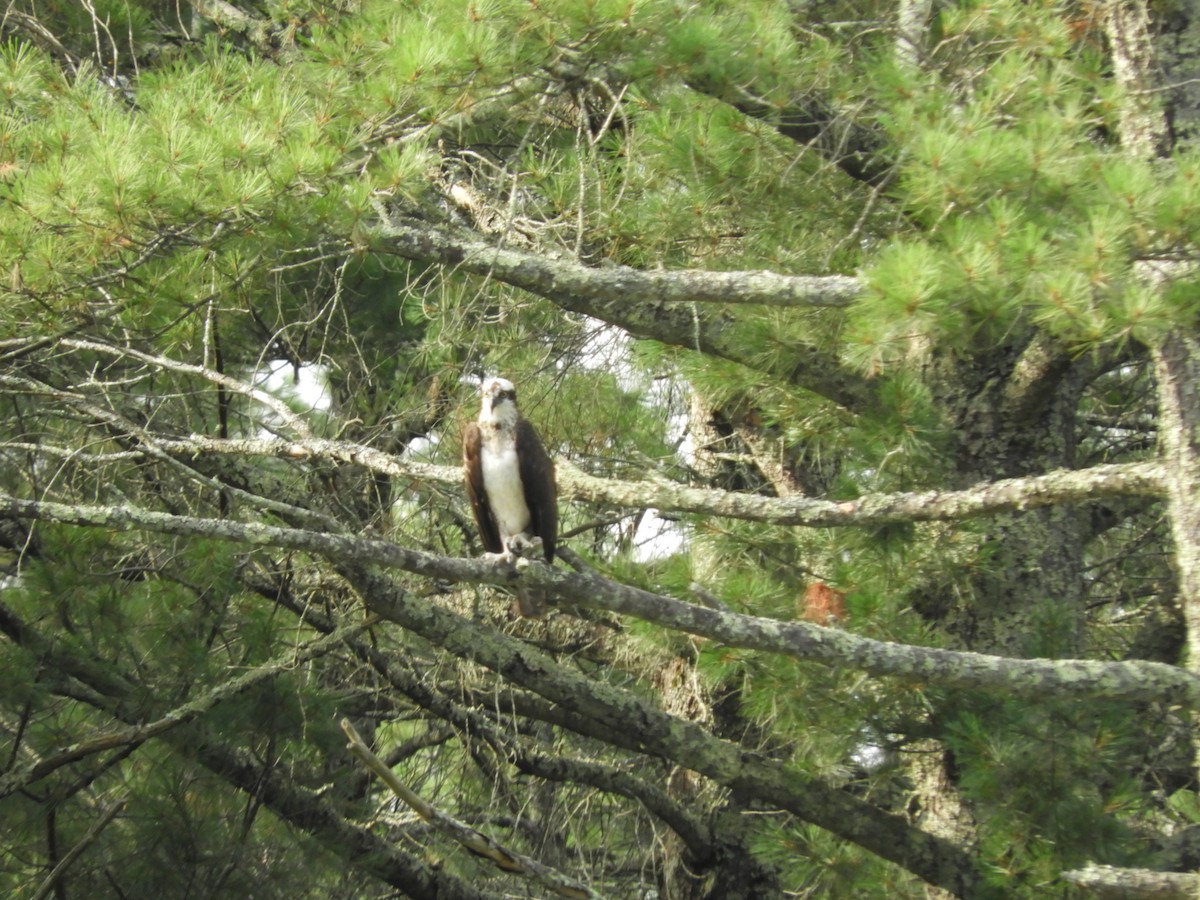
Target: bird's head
499,399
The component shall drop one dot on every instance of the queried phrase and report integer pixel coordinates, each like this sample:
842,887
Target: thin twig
106,816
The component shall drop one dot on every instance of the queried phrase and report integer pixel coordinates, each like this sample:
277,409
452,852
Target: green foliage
1074,798
197,197
1026,218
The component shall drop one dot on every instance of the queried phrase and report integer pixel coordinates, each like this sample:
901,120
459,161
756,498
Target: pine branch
661,306
17,779
1134,680
472,839
272,784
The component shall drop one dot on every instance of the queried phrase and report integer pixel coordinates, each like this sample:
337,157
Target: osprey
510,482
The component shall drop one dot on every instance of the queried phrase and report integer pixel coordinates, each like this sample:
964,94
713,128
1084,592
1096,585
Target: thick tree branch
625,719
1129,884
548,275
660,306
1023,677
1053,488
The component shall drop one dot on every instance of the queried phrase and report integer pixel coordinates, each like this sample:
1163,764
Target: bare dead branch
287,418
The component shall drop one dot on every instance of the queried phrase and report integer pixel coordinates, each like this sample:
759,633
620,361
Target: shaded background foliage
195,193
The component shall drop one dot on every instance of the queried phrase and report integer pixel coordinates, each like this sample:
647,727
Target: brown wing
489,533
541,492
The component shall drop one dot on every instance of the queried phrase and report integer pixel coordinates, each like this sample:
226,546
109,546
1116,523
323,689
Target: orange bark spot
823,605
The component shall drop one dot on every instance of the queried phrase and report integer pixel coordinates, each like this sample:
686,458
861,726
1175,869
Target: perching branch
1133,680
1053,488
473,840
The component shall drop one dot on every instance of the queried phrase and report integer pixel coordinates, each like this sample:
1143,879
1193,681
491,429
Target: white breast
505,492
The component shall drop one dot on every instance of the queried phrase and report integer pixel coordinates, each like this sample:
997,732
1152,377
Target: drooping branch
661,306
504,858
1035,678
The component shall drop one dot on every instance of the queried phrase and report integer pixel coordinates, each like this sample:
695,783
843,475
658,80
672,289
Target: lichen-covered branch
1134,680
1128,884
661,306
1060,487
